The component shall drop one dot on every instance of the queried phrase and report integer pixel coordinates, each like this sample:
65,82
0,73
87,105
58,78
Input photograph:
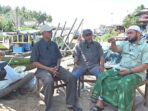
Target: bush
1,36
97,38
30,27
2,46
106,36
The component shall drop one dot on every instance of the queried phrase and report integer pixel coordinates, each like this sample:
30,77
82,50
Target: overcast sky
94,12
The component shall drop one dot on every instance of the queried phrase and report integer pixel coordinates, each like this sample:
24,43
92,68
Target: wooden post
146,90
56,31
69,33
77,30
63,29
61,33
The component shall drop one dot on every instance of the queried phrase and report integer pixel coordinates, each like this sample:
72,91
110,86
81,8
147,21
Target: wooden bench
57,84
82,80
143,94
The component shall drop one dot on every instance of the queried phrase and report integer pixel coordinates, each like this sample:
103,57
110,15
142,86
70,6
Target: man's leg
126,91
77,73
48,85
116,89
95,70
70,80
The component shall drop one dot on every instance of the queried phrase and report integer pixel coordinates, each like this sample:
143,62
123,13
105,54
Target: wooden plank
146,90
56,31
69,33
77,30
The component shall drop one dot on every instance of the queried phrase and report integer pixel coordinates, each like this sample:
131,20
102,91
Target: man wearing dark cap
88,56
47,58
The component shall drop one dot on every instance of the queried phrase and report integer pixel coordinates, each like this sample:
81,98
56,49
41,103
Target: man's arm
58,64
76,55
140,68
38,65
102,61
101,57
101,67
137,69
76,59
114,47
59,56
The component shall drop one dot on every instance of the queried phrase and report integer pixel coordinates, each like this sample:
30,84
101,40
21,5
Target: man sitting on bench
47,58
117,85
88,56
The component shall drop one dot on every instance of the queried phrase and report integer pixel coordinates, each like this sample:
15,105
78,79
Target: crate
18,49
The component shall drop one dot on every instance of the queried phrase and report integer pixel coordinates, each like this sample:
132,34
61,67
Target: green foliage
102,26
132,19
18,61
1,36
2,46
6,23
10,19
106,36
30,27
97,38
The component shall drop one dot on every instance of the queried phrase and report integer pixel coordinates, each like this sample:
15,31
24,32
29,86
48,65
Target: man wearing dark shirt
88,56
47,58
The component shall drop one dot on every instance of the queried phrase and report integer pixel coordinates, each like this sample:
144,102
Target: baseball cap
86,32
46,27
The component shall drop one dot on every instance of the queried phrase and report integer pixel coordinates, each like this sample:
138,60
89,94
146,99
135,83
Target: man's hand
76,67
53,71
57,68
123,72
101,68
111,40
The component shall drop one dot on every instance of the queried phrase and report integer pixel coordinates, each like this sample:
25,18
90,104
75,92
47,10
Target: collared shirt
88,54
133,55
46,53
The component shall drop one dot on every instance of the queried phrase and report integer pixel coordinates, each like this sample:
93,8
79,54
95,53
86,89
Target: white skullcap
134,27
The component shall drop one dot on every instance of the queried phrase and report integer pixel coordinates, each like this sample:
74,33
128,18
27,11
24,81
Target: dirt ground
31,102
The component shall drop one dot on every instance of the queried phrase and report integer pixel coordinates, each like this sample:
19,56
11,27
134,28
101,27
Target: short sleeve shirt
46,53
88,54
133,55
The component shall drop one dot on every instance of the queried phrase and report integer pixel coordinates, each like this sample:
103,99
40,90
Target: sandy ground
31,102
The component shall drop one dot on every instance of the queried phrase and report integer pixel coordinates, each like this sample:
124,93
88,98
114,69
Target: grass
2,46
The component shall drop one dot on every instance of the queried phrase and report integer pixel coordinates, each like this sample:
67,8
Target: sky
94,12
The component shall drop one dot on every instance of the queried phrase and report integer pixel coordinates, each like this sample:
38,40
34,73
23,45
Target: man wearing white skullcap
47,58
117,85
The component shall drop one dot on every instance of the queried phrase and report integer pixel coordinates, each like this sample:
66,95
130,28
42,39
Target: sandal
93,100
75,108
96,108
